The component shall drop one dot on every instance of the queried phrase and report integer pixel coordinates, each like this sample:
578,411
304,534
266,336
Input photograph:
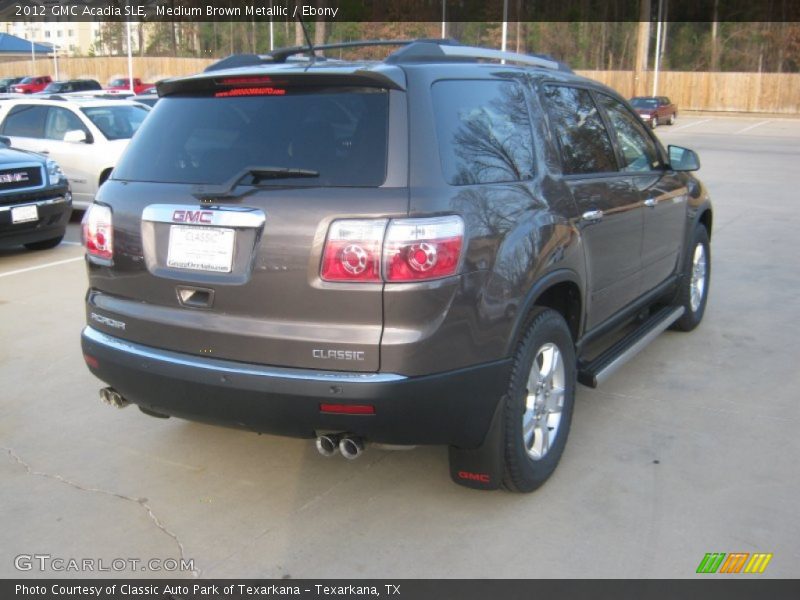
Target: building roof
11,44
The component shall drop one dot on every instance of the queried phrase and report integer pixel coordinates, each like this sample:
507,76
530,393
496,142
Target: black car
35,201
73,85
434,248
7,82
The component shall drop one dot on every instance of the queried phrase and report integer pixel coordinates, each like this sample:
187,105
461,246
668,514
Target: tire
654,122
672,118
45,244
529,461
693,288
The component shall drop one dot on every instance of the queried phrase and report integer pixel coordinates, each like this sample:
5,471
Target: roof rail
419,50
281,54
423,52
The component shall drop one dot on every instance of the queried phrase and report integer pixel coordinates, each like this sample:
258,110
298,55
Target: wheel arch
705,218
560,290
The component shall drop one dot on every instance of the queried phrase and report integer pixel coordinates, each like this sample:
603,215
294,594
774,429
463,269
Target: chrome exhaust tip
351,447
113,398
328,444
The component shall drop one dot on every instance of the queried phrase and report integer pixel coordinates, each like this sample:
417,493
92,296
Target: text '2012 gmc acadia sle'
429,249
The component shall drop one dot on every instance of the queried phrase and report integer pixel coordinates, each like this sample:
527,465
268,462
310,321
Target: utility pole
642,48
657,61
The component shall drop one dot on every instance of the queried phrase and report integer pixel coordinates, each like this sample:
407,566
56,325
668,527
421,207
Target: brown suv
419,250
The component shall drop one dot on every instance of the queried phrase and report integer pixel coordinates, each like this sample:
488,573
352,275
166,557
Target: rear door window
339,134
25,120
582,135
484,131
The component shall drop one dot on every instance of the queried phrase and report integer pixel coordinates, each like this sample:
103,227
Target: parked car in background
7,82
122,84
85,136
31,85
72,85
35,202
655,110
148,99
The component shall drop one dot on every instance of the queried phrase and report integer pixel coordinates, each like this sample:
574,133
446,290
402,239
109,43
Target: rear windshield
340,134
644,103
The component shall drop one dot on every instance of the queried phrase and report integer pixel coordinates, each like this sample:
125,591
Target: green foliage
611,45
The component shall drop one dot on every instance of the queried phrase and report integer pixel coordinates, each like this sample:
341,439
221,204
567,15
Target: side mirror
5,141
683,159
75,136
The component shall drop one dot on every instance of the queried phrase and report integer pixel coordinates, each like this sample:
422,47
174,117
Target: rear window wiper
258,174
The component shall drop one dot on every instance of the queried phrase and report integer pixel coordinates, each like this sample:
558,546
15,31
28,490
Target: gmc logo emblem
13,177
192,216
481,477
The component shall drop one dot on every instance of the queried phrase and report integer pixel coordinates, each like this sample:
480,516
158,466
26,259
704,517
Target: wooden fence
730,92
737,92
150,69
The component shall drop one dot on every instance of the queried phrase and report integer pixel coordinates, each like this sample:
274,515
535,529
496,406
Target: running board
593,373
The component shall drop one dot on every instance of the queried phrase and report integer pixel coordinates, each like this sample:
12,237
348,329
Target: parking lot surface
690,448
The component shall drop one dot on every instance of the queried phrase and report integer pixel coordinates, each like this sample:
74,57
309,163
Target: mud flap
481,468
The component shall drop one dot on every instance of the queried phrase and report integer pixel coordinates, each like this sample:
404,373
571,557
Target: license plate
201,248
22,214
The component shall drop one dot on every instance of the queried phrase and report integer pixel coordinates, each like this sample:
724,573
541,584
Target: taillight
353,250
98,233
406,250
417,249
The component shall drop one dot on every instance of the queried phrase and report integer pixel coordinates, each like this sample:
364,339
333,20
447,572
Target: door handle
651,202
592,215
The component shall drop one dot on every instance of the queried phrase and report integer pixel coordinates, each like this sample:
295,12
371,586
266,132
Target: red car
655,110
123,85
31,85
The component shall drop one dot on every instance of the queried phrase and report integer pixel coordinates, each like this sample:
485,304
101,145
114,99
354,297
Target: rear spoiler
392,79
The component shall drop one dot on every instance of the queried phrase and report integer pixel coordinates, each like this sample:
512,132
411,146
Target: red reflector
259,91
348,409
91,361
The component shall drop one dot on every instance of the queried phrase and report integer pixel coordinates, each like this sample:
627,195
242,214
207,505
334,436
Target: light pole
658,51
55,59
33,51
130,57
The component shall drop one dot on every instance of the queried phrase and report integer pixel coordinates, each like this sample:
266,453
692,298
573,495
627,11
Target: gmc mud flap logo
470,476
107,321
338,354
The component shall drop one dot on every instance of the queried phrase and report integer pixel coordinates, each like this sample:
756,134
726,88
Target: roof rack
419,50
280,55
425,51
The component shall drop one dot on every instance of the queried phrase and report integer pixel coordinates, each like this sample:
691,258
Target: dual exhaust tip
113,398
350,446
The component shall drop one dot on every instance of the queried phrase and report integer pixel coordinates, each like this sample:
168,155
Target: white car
85,136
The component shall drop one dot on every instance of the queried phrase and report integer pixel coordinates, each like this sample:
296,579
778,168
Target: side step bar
593,373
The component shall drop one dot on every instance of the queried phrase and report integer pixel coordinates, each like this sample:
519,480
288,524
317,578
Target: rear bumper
453,408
